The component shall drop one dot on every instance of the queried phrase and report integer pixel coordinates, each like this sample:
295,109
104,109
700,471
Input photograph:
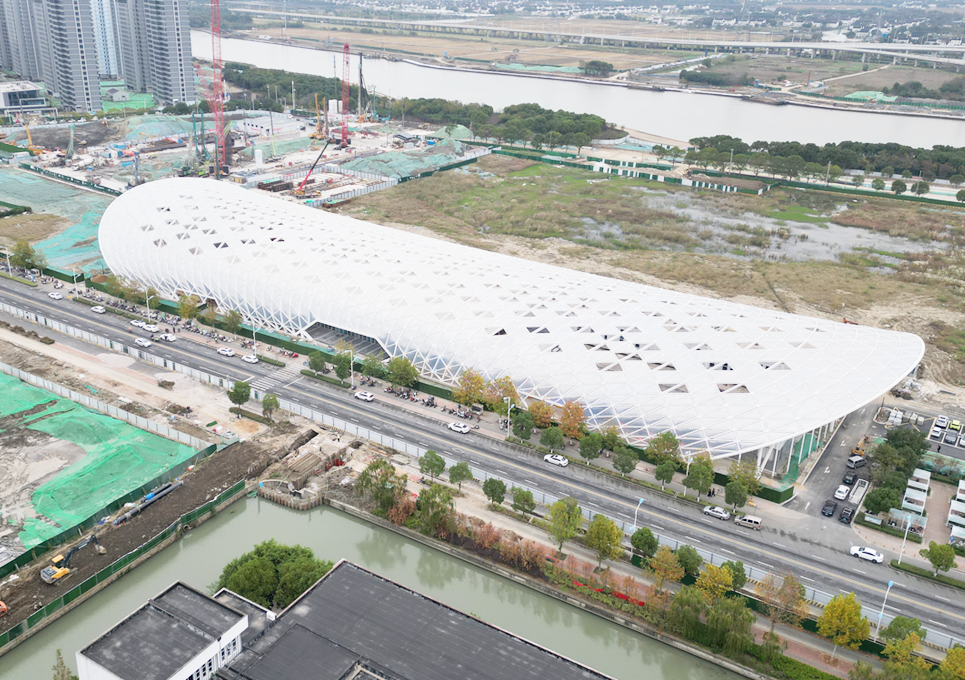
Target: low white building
265,126
21,96
182,634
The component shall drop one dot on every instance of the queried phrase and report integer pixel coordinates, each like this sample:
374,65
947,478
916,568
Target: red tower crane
216,100
346,59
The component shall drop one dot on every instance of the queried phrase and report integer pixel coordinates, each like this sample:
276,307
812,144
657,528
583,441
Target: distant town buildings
71,44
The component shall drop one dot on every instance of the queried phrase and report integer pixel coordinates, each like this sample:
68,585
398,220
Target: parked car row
946,431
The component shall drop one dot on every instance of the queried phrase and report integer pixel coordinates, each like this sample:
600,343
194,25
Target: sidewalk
802,645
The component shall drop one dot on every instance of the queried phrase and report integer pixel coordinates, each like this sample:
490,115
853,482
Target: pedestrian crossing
266,382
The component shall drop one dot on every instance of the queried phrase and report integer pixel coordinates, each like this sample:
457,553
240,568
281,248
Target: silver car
716,511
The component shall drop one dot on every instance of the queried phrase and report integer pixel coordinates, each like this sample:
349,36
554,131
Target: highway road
797,541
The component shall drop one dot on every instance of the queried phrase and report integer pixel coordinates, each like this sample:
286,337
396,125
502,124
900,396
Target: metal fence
933,637
117,566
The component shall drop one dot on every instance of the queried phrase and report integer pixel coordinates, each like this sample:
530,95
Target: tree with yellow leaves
714,582
542,414
842,623
573,419
497,391
469,388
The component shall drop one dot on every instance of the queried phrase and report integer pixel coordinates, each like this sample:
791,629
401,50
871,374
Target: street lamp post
907,527
147,303
509,413
882,612
639,503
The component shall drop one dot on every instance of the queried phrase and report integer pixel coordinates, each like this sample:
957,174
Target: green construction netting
457,132
870,95
401,164
119,458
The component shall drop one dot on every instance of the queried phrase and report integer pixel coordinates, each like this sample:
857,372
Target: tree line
953,89
939,162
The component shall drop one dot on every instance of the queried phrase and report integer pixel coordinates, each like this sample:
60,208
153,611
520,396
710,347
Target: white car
843,492
461,428
141,342
151,328
55,296
717,511
941,421
226,352
137,323
167,337
869,554
364,396
98,309
936,433
556,459
250,359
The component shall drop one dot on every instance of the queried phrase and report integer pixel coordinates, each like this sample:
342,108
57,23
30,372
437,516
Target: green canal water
198,558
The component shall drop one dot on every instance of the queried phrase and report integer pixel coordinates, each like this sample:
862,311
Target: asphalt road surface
795,539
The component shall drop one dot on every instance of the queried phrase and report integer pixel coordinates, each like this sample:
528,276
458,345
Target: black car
846,514
850,478
829,508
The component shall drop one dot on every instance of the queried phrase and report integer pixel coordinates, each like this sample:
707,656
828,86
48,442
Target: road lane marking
781,546
819,558
769,566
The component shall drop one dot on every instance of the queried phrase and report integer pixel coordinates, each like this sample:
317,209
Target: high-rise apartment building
102,16
53,41
154,46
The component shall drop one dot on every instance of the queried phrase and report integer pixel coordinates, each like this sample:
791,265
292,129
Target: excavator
59,566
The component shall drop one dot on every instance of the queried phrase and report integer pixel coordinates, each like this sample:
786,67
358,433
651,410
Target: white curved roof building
725,377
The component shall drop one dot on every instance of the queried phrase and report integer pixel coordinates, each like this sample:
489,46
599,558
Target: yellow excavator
59,566
320,127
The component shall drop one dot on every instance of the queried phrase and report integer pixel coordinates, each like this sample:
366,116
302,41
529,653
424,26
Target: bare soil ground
31,227
93,133
929,77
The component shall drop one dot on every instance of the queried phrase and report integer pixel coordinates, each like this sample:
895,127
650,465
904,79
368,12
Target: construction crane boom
319,132
217,94
346,65
301,187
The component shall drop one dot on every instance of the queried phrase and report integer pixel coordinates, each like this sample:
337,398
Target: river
678,115
199,557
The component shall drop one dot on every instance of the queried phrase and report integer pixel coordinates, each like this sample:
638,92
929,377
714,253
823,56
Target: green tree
432,464
903,663
665,567
956,180
700,478
596,67
664,447
255,580
342,363
665,472
842,623
605,538
735,495
232,321
960,196
729,622
459,473
210,313
624,459
953,665
887,172
564,521
298,575
523,500
901,627
898,187
834,173
495,490
878,184
782,599
187,306
746,473
579,140
906,174
61,670
382,482
402,372
269,404
644,542
689,559
882,500
714,582
539,141
24,255
523,425
373,367
553,139
591,445
738,575
685,611
552,438
920,188
240,393
858,181
316,361
434,506
941,556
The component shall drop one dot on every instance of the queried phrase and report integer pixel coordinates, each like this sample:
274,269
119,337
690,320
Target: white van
854,462
749,521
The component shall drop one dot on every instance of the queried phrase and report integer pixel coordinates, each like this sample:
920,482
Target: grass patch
250,416
860,519
930,575
270,361
325,378
18,280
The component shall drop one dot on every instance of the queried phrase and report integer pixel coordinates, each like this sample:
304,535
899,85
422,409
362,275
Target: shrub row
885,529
19,280
112,310
270,361
325,378
250,416
927,573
